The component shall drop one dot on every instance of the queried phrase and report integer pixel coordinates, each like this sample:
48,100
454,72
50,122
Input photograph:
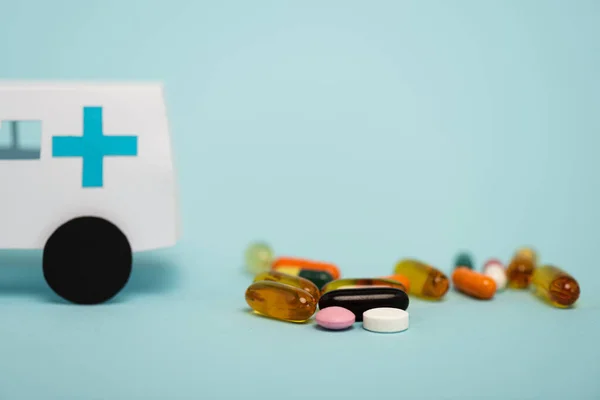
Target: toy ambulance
99,185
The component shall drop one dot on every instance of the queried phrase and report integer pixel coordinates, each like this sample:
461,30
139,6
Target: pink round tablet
335,318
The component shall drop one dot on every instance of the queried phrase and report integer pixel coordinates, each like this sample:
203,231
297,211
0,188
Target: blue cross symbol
93,146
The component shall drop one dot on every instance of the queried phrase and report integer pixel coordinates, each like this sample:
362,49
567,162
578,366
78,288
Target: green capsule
463,260
319,278
316,276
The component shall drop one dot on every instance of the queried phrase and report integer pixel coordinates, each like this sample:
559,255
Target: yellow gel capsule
555,286
399,278
520,269
281,301
528,253
299,282
425,280
361,282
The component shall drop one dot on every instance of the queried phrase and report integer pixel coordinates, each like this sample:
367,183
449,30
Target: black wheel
87,260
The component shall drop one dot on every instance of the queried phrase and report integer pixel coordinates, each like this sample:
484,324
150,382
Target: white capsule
385,320
496,271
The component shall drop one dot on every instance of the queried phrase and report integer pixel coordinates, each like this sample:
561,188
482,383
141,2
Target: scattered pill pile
294,289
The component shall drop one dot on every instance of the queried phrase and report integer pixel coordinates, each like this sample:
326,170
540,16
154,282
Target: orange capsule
399,278
291,262
473,283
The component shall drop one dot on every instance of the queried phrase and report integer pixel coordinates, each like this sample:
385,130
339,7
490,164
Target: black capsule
359,300
318,277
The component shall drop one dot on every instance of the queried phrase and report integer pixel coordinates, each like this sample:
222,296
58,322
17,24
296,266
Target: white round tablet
385,320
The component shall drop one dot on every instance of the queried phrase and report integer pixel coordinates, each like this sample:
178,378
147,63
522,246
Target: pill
385,320
360,282
528,252
473,283
463,259
520,269
358,300
425,280
400,278
299,282
495,270
303,264
355,287
555,286
319,278
259,257
335,318
281,301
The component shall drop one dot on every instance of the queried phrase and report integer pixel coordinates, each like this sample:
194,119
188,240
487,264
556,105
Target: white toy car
99,185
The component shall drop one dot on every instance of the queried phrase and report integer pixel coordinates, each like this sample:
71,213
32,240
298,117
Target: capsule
473,283
528,252
362,282
521,267
463,260
555,286
281,301
399,278
425,281
359,300
319,278
297,281
259,256
495,270
290,262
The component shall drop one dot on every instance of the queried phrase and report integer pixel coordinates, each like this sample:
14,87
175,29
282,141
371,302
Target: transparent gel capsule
555,286
528,253
281,301
521,267
362,282
259,257
297,281
425,280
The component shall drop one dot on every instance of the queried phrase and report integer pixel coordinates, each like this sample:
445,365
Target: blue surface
92,146
354,132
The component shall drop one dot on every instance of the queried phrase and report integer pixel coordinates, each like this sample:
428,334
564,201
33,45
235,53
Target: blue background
349,131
